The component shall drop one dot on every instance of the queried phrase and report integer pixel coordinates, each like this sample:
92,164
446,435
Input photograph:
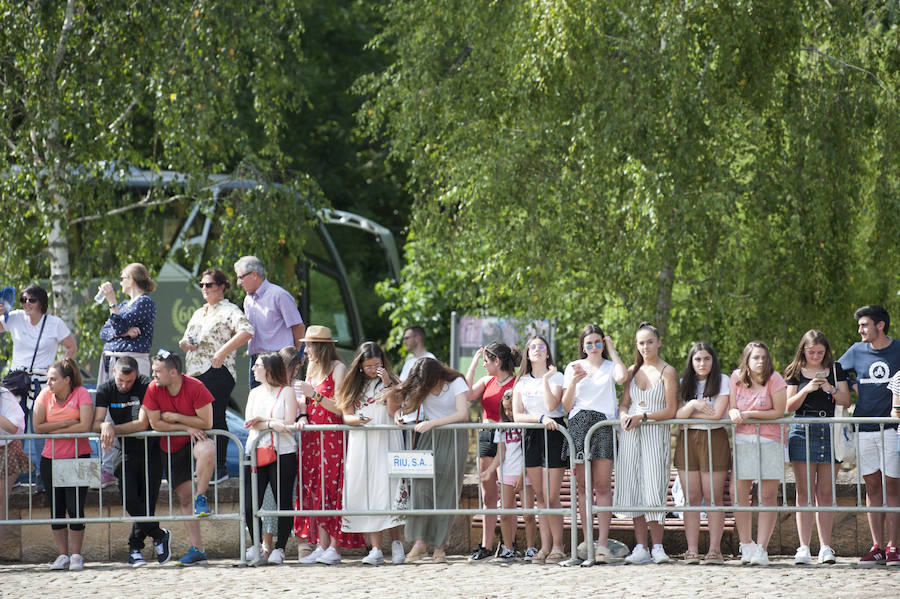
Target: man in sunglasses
270,309
177,402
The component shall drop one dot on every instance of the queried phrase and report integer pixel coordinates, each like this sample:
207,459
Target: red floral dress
322,459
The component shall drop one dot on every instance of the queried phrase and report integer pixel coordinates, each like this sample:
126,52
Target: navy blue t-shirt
873,369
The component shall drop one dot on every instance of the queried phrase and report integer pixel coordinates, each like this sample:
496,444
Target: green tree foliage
87,89
726,170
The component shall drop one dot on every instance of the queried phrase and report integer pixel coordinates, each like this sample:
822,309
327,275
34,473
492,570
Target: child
509,461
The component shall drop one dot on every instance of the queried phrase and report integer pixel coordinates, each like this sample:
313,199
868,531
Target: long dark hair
321,357
638,358
526,363
292,360
510,358
688,389
276,373
744,365
591,329
425,375
811,337
351,388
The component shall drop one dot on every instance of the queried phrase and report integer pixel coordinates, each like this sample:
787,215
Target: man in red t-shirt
177,402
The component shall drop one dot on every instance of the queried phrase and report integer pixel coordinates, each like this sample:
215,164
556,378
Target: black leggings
220,383
63,500
280,476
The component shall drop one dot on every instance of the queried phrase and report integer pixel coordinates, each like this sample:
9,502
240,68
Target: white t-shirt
513,458
444,404
596,392
12,411
531,390
723,390
25,335
410,362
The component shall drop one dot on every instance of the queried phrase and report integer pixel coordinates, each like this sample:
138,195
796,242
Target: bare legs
697,491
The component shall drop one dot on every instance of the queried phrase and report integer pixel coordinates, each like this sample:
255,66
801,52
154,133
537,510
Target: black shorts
181,466
534,447
486,446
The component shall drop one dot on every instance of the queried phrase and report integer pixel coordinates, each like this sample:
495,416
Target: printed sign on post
411,464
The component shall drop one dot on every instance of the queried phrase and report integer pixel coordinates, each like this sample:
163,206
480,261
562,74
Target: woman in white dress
362,397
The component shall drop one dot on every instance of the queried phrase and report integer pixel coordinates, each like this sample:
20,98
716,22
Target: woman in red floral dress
321,479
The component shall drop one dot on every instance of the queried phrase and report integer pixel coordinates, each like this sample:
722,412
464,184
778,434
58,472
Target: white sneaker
826,555
398,556
312,557
61,563
747,551
802,556
252,553
659,555
760,557
330,557
276,556
375,557
639,555
76,562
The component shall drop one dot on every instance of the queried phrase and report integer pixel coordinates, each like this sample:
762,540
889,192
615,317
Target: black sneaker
163,551
480,554
135,559
506,555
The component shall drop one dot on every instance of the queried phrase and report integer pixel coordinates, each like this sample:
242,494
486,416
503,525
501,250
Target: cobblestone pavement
220,578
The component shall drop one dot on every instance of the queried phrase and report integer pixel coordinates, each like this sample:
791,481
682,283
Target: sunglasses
30,300
163,354
208,285
537,346
589,345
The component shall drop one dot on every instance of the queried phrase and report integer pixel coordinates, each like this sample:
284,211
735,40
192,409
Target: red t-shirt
192,396
492,396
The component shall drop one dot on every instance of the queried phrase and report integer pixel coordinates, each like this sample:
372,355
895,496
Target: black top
818,400
124,408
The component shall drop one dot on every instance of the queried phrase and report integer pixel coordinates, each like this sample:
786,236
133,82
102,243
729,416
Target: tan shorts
698,450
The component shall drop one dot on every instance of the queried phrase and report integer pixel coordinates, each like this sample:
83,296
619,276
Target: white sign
411,464
76,472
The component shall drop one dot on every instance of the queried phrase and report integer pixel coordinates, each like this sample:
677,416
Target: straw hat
318,334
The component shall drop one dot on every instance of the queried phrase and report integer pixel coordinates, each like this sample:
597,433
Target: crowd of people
525,467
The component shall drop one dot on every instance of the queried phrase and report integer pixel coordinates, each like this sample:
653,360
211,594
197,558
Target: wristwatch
644,417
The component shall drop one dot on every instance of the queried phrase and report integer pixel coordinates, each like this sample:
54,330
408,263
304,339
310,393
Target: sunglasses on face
207,285
537,346
589,345
30,300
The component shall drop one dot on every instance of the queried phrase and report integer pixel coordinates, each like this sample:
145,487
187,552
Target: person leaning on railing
13,460
816,383
64,406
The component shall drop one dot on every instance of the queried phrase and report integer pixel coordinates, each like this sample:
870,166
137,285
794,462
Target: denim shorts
819,443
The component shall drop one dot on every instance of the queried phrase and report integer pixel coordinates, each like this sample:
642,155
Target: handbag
19,381
266,454
843,434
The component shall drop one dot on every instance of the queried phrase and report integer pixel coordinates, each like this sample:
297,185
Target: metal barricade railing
411,510
783,424
29,516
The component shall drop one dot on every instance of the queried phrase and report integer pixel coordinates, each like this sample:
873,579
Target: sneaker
375,557
61,563
639,555
659,555
312,557
581,550
826,555
163,553
802,556
136,559
480,553
530,553
760,557
329,557
219,476
276,557
890,557
747,551
252,554
76,562
506,555
107,479
398,556
192,557
201,506
875,557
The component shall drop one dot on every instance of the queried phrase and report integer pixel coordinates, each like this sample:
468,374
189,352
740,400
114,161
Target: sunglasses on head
163,354
30,300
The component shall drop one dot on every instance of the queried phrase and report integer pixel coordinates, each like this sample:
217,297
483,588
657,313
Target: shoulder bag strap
37,344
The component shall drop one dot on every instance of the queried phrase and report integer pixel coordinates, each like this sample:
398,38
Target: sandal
415,553
555,557
540,557
713,557
691,557
439,556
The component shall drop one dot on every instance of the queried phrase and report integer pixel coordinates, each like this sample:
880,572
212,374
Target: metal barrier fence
82,475
783,424
412,510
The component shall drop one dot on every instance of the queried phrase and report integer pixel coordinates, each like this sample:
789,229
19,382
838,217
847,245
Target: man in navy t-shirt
874,360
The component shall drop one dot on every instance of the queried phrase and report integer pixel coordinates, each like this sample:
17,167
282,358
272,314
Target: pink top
760,399
71,410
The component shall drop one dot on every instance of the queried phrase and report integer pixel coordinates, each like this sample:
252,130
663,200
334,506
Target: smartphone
822,374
